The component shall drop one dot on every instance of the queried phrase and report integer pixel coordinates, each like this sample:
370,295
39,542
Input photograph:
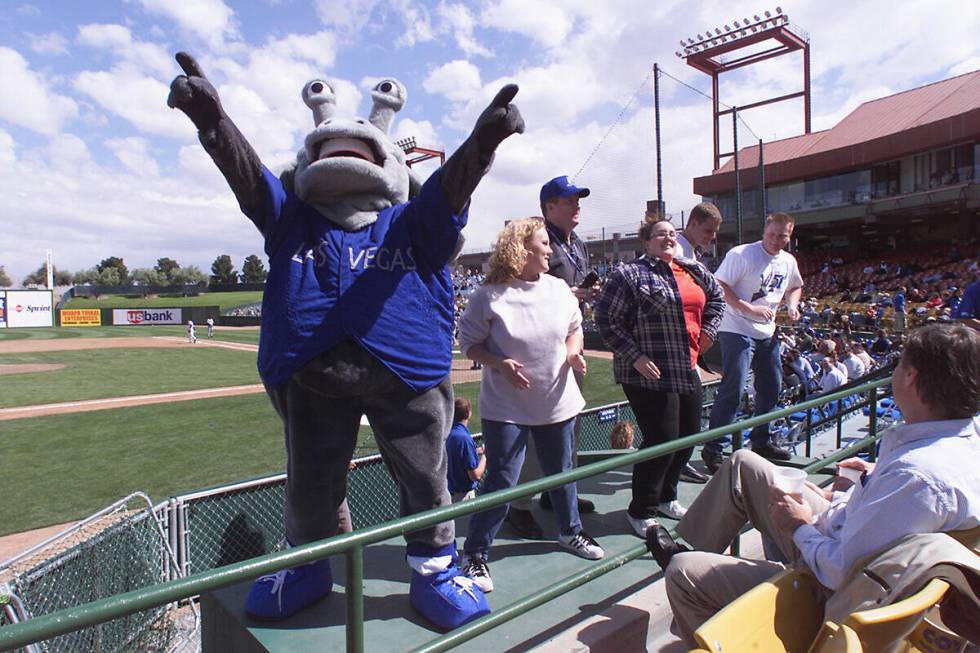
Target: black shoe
712,460
584,505
523,524
662,546
691,475
771,451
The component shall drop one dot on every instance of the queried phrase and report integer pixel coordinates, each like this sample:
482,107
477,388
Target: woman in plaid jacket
657,314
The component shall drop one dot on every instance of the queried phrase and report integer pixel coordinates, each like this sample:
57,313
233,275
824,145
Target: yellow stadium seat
836,639
881,627
782,614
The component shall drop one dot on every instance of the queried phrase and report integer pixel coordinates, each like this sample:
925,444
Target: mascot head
353,159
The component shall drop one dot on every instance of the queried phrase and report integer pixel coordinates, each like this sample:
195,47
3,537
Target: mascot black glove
498,121
193,94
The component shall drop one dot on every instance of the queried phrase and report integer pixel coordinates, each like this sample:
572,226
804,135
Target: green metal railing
352,545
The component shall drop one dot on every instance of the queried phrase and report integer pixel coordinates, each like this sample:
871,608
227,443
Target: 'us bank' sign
140,316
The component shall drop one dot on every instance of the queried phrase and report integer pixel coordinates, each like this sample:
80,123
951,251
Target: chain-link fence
225,525
125,549
119,550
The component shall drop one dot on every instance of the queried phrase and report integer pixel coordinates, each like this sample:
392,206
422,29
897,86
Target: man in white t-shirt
756,278
832,377
701,230
854,365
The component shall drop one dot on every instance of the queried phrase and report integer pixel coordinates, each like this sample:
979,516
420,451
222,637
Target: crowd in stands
870,291
249,310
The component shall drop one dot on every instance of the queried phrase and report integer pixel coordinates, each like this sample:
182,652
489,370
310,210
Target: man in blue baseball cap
569,262
569,256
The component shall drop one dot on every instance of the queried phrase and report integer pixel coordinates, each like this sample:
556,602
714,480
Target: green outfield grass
224,300
65,467
230,334
101,373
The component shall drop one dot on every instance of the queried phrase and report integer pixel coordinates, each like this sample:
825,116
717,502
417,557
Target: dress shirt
922,483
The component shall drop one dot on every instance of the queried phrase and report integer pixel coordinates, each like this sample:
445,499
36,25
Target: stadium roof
933,115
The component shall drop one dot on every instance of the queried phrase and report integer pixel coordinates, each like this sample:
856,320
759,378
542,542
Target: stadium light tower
706,51
409,147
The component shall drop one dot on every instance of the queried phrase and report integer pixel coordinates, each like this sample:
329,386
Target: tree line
112,271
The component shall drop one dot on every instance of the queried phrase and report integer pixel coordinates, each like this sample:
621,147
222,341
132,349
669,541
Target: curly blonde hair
510,251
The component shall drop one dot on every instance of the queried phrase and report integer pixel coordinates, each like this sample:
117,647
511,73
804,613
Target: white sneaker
582,545
641,526
476,569
672,509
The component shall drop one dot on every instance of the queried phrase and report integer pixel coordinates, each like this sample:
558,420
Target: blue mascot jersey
386,286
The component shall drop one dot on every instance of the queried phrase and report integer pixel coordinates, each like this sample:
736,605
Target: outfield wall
136,316
26,308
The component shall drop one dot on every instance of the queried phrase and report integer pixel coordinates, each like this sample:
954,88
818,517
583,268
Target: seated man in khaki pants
926,480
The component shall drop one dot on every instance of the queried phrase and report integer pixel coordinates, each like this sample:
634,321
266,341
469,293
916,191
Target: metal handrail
88,614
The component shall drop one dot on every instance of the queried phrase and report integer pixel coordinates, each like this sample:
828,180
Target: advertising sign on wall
29,308
80,317
3,309
141,316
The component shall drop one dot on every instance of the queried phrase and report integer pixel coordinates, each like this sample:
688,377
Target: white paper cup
851,474
789,480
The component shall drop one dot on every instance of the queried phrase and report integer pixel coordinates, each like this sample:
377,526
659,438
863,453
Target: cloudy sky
94,164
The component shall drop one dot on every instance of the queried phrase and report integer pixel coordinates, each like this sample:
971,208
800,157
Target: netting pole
738,179
656,112
762,182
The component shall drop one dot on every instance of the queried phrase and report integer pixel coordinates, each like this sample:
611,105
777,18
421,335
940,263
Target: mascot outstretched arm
357,318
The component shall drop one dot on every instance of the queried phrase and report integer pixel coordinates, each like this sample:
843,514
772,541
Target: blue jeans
505,445
738,353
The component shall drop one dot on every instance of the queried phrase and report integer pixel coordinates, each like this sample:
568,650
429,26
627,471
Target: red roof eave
947,131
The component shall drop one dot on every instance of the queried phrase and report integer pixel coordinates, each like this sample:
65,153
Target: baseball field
88,415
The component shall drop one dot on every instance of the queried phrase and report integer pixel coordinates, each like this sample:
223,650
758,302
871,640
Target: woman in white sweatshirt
525,327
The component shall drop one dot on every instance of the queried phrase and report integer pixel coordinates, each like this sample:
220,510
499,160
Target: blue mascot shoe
447,598
283,594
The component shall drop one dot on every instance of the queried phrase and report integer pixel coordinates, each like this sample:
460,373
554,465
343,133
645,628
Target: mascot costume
357,319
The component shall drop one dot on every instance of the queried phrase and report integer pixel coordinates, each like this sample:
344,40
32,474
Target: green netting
597,423
371,494
230,526
227,527
123,556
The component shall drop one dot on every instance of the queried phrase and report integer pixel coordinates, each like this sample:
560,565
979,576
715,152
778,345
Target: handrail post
355,600
809,430
840,424
872,421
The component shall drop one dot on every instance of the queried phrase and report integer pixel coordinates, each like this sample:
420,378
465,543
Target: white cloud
8,149
422,131
36,107
544,22
212,20
965,66
416,21
457,80
134,154
67,153
319,48
126,51
457,19
349,17
139,99
50,43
